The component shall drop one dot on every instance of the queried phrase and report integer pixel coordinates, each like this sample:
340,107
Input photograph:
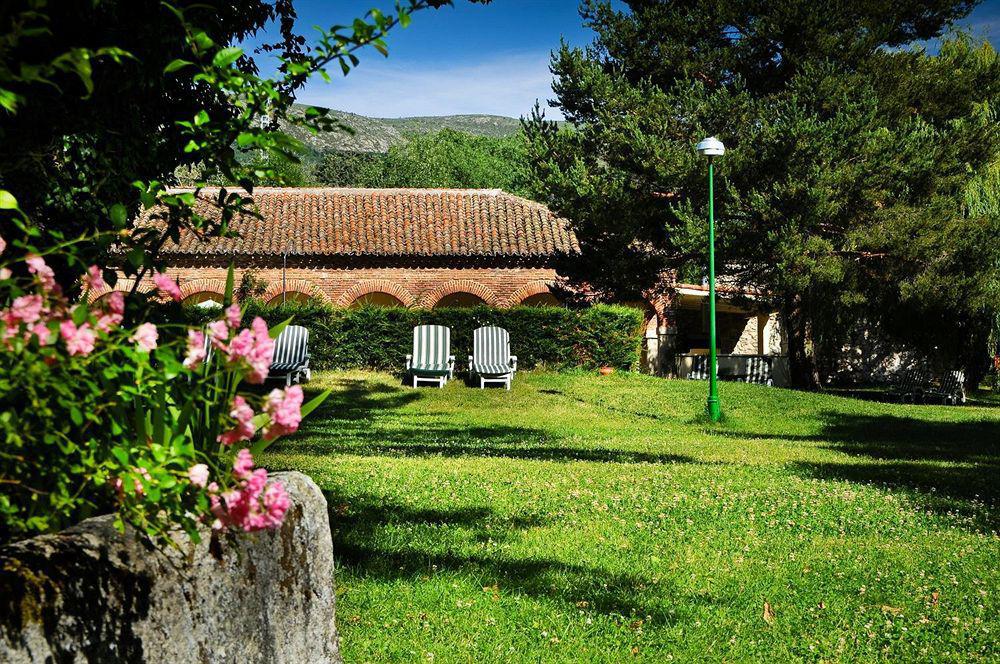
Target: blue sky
472,58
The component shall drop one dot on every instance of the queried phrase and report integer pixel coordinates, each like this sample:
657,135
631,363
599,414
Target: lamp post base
714,409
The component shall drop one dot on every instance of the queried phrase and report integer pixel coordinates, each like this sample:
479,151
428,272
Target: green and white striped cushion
431,348
490,351
291,349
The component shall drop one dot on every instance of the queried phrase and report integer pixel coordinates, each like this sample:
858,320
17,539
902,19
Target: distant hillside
377,134
478,125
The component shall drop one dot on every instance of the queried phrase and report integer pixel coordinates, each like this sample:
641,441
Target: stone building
427,248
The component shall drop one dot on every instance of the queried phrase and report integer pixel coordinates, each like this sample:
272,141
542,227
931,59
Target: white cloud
501,85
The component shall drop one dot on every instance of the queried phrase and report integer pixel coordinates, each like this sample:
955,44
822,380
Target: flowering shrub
96,415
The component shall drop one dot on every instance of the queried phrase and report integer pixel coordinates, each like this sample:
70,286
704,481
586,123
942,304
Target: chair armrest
513,362
470,361
409,362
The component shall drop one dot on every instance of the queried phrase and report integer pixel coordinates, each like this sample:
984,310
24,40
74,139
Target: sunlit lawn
581,518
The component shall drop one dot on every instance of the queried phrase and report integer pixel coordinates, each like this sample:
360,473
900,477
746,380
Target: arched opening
459,299
290,296
541,300
204,299
376,299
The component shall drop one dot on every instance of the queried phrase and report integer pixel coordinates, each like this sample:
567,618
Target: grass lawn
580,518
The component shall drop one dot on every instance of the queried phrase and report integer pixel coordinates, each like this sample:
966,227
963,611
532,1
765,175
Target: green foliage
381,337
447,159
833,138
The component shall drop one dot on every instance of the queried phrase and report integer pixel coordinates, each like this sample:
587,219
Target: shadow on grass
359,525
943,465
361,418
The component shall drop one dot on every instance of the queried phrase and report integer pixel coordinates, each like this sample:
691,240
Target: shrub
379,338
96,414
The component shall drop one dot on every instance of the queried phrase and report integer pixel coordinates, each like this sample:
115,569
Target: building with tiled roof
424,248
409,247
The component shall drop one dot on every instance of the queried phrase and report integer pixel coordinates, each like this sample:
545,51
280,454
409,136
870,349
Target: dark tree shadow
945,465
358,522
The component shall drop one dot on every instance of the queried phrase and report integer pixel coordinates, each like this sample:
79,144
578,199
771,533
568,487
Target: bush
379,338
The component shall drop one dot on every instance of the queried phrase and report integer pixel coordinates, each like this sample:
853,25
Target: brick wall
413,284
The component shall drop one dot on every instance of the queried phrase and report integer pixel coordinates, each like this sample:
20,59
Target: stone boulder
92,594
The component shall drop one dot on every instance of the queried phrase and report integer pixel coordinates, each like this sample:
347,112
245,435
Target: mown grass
580,518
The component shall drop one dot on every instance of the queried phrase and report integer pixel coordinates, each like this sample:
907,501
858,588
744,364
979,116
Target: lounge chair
291,355
431,360
909,385
491,360
951,389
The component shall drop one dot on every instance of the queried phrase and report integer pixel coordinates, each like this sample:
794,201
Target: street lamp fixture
712,147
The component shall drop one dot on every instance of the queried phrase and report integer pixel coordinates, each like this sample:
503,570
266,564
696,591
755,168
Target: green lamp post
712,147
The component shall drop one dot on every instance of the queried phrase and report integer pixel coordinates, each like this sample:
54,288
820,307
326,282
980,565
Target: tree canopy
850,155
446,158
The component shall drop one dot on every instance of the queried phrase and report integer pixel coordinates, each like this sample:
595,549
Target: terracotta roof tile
386,222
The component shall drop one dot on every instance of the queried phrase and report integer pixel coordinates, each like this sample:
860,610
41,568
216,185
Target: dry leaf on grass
768,613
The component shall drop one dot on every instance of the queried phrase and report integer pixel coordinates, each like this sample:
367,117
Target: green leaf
316,402
227,56
7,200
118,215
201,118
174,65
277,329
227,297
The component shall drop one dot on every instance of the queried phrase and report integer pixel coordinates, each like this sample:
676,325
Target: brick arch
195,286
368,286
123,285
432,297
524,292
303,286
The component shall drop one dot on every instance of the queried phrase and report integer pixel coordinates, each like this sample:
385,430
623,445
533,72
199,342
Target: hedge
381,337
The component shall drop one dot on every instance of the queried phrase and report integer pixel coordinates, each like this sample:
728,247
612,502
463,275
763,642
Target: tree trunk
802,366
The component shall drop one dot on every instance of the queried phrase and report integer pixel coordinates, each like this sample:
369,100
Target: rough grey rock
92,594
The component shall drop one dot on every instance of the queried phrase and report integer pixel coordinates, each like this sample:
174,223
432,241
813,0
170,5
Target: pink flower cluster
244,429
250,349
283,408
167,286
252,504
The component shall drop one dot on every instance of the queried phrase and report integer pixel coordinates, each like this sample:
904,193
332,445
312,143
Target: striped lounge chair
491,359
291,355
431,360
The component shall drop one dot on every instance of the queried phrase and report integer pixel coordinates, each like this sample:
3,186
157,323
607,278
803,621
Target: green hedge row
380,338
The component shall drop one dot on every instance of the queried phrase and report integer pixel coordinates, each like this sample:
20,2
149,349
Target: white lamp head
711,147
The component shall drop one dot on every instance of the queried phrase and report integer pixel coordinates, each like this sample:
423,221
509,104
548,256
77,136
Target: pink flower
253,349
26,309
167,286
276,503
242,464
195,350
252,504
145,337
37,267
3,245
93,280
140,489
244,429
198,474
116,303
41,330
79,340
285,410
233,315
219,332
107,322
5,273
